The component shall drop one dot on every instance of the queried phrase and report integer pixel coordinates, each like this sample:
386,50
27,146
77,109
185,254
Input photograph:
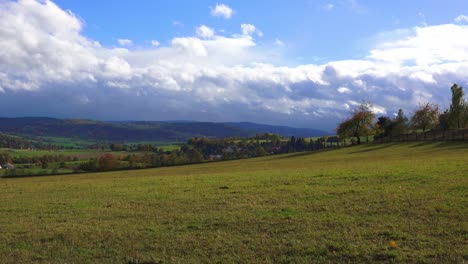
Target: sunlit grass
402,203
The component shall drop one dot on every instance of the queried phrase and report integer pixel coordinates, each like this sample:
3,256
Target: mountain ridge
128,131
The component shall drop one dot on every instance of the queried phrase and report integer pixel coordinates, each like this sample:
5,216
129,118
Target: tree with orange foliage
359,124
107,162
426,116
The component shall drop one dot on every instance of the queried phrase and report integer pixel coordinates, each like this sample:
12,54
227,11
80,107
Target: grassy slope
337,206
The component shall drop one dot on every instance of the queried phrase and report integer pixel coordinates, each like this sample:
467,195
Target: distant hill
133,131
285,131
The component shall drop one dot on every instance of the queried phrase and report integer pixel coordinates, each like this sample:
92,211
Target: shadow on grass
452,145
36,175
305,153
442,144
449,145
372,147
420,144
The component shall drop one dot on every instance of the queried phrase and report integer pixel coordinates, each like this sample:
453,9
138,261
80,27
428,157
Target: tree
260,151
359,124
456,107
384,126
117,147
106,162
44,162
426,116
91,165
457,115
464,115
399,124
444,122
5,158
392,127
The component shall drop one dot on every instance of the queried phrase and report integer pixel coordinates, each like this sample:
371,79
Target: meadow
26,167
79,153
385,203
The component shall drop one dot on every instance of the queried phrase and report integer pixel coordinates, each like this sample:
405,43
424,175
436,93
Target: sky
299,63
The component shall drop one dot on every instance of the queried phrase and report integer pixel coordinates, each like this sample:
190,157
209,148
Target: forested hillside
134,131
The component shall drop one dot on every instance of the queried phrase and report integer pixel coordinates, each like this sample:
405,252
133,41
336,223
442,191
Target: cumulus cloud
190,46
461,19
155,43
249,29
425,46
222,10
47,67
125,42
205,32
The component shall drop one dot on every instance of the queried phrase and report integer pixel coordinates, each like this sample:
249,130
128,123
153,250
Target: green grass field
338,206
67,142
82,154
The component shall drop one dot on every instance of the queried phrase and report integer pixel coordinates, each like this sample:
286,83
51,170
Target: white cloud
426,45
192,46
125,42
212,77
205,32
461,19
378,110
249,29
117,67
344,90
222,10
155,43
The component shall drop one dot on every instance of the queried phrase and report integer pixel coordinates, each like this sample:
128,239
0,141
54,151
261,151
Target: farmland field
373,203
82,154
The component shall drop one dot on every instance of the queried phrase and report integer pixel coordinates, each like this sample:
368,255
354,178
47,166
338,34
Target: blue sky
314,30
298,63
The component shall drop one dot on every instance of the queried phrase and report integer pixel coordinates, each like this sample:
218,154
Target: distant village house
215,157
7,166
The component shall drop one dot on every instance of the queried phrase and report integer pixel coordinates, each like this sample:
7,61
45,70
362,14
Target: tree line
198,150
363,122
42,160
14,142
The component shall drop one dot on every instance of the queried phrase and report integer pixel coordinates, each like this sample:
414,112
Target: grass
78,143
169,147
338,206
67,142
81,154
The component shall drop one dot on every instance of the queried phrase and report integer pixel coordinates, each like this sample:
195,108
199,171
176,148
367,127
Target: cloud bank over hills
48,67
